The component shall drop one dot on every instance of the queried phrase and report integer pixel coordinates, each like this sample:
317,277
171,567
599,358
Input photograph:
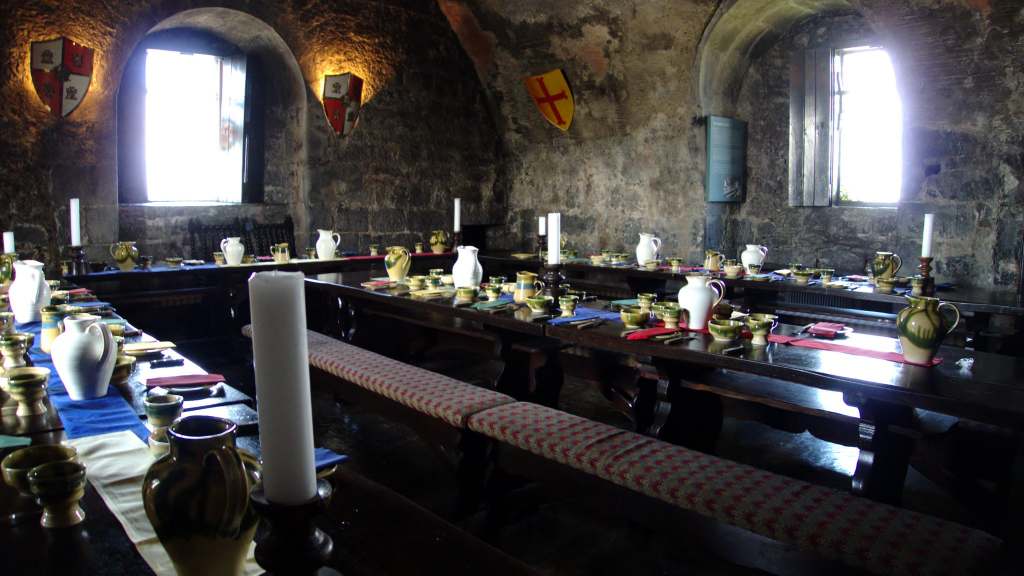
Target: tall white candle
542,226
458,215
9,242
277,303
554,238
76,223
926,240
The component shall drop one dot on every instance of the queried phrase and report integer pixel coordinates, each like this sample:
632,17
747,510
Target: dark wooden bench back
204,239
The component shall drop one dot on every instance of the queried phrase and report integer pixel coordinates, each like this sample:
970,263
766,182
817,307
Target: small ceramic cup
794,267
802,277
58,486
676,265
310,254
493,291
465,294
418,247
634,316
597,259
917,286
416,282
753,268
645,300
539,304
438,272
248,259
163,409
884,285
567,304
433,281
652,265
826,274
670,315
374,249
53,284
173,262
725,330
761,325
733,271
28,388
218,258
497,280
729,262
145,262
13,347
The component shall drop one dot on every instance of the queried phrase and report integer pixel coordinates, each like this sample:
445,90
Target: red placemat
845,349
187,380
365,257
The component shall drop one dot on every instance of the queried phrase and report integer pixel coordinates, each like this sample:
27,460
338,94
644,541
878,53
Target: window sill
195,204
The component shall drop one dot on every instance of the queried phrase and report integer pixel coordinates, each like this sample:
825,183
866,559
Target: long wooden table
878,396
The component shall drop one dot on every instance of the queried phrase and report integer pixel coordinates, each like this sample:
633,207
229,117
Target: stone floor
560,537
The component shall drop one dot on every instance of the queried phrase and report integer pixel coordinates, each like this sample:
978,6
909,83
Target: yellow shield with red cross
551,94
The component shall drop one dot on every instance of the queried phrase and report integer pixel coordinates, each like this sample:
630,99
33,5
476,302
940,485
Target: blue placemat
583,313
92,417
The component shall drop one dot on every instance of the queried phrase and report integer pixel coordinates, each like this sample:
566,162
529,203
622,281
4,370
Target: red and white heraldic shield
343,95
61,72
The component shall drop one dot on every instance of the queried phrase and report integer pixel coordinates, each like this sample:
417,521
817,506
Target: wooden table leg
884,453
683,416
1013,530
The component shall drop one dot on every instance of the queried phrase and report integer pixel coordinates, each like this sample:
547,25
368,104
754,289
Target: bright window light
868,139
195,106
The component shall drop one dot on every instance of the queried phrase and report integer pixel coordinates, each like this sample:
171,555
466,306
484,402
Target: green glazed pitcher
922,327
125,254
886,264
397,262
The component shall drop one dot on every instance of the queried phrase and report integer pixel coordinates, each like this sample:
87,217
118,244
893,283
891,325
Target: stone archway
285,110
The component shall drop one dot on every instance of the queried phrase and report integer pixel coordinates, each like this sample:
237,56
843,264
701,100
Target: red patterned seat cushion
428,392
860,532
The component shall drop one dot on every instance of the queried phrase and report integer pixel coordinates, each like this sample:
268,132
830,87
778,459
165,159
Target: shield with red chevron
342,98
61,73
551,94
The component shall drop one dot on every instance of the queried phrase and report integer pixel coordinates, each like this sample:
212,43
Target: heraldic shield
61,73
343,95
551,94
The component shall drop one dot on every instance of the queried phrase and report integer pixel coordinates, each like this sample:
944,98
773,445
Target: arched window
187,133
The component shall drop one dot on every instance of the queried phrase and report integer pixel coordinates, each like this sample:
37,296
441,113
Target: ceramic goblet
163,409
761,325
645,300
634,316
28,388
58,486
670,314
568,305
493,292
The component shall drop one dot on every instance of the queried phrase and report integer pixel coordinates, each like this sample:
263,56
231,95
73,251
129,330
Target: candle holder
289,542
79,264
928,287
456,240
542,244
553,279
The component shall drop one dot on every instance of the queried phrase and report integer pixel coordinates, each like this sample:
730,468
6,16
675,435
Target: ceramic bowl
438,272
539,304
725,330
802,277
173,262
248,259
218,258
826,274
634,316
448,280
19,463
158,443
416,282
652,265
754,268
163,409
58,486
28,388
465,294
884,285
722,312
733,271
597,259
123,369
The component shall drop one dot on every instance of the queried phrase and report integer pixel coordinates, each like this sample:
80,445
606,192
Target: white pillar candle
542,226
9,242
554,238
76,223
277,303
926,240
458,216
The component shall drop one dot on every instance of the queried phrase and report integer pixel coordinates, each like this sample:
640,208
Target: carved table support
884,452
692,418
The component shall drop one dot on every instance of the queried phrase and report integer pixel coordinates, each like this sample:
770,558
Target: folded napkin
13,441
187,380
90,304
79,291
857,278
826,329
805,342
139,347
264,258
584,313
376,284
325,458
626,302
650,333
505,300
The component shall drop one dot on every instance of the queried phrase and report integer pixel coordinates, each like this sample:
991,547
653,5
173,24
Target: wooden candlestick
289,542
553,279
456,240
542,246
928,288
79,265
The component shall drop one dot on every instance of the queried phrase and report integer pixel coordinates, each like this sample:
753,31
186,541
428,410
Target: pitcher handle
538,285
234,502
337,238
111,250
103,332
899,264
720,290
956,311
764,251
657,245
223,243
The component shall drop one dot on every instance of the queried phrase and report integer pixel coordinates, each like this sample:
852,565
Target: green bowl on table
802,277
539,304
725,330
634,316
465,294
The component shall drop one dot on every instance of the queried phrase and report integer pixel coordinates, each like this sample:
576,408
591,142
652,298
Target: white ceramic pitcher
29,291
754,254
698,297
233,250
327,244
647,248
84,356
467,271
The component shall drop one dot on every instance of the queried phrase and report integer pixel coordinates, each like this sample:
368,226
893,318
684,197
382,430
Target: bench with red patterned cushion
859,532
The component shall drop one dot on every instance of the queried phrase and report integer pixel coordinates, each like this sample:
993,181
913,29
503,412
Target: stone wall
959,74
424,136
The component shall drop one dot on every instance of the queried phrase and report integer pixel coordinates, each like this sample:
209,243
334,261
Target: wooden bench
829,524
